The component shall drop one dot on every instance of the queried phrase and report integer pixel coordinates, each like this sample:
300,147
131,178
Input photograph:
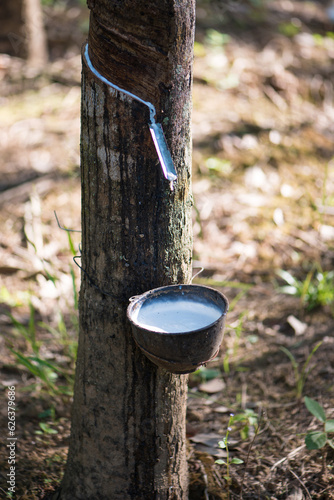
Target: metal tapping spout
164,155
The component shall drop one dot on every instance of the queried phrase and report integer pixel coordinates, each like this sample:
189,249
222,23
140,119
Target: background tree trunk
12,37
128,418
22,32
36,36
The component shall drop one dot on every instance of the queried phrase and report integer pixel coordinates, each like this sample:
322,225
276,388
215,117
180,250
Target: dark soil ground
263,178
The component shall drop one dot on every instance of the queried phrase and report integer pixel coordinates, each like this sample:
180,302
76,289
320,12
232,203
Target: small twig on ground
301,483
324,466
205,479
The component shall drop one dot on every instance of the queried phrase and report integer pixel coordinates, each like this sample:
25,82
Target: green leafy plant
300,372
317,289
289,29
204,374
61,333
42,369
28,332
249,419
237,330
46,429
216,38
224,444
218,165
14,299
318,439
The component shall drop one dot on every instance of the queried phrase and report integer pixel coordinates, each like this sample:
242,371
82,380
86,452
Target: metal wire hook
90,279
65,228
198,272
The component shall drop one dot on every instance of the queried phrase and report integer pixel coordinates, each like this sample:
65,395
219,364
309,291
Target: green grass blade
291,357
32,329
20,327
42,362
23,360
305,291
74,287
70,241
307,362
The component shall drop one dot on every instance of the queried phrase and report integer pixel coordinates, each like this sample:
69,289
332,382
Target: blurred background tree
23,32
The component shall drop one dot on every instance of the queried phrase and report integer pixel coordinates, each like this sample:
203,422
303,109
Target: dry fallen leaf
298,326
213,386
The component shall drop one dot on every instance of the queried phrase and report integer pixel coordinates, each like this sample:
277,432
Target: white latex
176,316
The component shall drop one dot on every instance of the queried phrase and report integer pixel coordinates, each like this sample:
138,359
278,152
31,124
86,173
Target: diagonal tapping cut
156,130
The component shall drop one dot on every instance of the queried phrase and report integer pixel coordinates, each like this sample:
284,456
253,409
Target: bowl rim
142,297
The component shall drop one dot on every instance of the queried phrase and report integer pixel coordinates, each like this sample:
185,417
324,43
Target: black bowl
172,339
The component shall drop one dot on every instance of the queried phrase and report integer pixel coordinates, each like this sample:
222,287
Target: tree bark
128,416
36,36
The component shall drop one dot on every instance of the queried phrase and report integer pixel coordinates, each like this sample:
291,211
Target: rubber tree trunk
128,417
